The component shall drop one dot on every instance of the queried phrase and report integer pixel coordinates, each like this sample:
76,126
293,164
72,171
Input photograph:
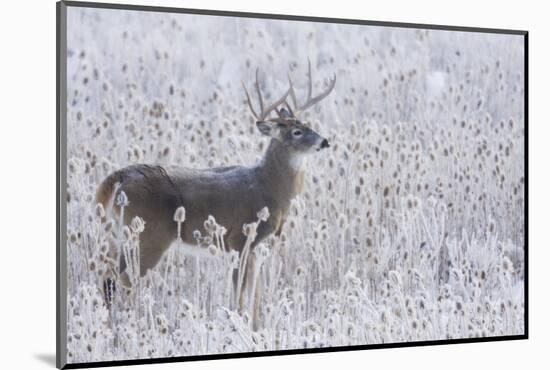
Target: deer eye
297,133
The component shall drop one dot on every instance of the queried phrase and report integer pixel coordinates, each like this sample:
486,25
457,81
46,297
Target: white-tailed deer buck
233,195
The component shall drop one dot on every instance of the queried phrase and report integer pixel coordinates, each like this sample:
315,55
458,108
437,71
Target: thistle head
179,215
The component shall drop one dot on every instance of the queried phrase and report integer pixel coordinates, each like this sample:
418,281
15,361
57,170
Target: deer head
287,129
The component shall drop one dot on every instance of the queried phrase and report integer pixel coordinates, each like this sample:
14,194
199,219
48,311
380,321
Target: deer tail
107,189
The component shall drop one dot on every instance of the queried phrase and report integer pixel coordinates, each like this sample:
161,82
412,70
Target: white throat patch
298,161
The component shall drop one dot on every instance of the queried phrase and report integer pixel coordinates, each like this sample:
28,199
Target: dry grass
410,228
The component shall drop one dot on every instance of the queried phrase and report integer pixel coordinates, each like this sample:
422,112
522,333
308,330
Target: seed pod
122,199
99,211
179,215
137,224
263,214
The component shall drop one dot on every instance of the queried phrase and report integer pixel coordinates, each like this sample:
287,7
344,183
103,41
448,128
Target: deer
233,195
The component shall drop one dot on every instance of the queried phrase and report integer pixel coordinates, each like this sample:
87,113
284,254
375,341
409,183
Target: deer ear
270,129
284,113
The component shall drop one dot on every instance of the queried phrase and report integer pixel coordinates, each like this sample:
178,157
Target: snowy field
410,228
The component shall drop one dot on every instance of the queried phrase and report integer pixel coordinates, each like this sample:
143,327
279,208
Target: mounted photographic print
235,184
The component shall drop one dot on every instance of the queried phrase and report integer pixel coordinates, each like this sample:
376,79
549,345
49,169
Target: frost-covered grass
410,228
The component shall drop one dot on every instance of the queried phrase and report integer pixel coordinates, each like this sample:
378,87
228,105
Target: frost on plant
410,227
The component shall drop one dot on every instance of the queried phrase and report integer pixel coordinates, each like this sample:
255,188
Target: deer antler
264,112
309,101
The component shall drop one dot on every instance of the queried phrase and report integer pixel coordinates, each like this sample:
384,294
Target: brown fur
233,195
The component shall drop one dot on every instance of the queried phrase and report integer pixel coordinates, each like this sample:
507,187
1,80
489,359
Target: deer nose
325,144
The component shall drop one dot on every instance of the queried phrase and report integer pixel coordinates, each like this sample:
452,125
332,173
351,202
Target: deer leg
242,294
151,249
256,323
123,274
109,288
236,240
235,301
153,242
250,297
108,280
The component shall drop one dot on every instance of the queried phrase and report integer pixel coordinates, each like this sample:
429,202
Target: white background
27,182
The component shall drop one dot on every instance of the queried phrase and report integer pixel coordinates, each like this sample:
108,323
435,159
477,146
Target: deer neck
282,172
